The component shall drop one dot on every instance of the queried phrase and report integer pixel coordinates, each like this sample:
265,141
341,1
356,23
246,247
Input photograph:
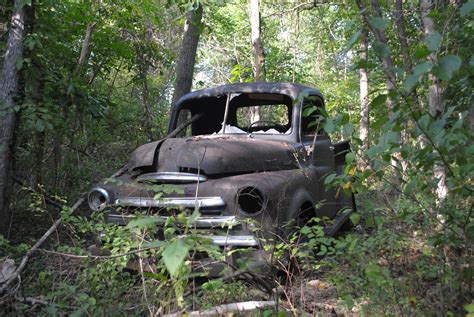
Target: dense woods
84,83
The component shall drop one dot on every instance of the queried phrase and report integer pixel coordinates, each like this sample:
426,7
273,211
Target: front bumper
233,236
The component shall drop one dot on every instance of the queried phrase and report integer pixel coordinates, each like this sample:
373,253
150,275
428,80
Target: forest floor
388,271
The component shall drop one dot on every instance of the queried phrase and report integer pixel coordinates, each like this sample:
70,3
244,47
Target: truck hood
215,155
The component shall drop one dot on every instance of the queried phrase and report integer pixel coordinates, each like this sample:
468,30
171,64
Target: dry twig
221,310
5,287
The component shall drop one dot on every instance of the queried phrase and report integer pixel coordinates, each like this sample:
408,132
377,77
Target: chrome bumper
202,222
188,202
238,241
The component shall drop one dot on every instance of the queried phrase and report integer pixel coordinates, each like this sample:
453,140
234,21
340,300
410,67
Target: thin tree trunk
187,55
400,23
435,103
388,67
364,94
187,58
86,48
59,136
381,37
9,91
401,35
471,115
258,52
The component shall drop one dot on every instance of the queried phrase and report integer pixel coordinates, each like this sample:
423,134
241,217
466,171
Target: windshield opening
242,113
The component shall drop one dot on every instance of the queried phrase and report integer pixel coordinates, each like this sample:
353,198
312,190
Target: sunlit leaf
467,8
422,68
422,52
448,65
355,218
142,222
174,255
434,41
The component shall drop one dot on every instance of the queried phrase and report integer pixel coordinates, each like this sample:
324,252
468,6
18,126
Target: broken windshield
238,113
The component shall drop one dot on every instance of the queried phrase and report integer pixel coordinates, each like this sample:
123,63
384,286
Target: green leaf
471,61
422,68
469,308
410,186
353,40
381,49
19,64
470,150
194,216
329,178
308,111
378,101
282,313
39,125
355,218
329,126
378,23
174,255
411,82
467,8
350,157
422,52
142,222
153,244
434,41
448,65
323,250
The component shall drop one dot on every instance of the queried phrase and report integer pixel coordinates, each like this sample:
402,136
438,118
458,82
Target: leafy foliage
410,253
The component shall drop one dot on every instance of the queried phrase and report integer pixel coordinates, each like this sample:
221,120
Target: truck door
321,157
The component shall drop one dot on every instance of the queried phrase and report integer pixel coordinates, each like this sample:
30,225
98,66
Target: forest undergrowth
386,265
91,81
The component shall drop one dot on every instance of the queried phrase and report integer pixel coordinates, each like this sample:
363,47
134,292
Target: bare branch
228,308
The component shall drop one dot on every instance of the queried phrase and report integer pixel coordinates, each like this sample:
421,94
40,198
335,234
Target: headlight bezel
98,199
251,200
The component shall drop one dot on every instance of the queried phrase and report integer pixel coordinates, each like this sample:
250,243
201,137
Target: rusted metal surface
264,174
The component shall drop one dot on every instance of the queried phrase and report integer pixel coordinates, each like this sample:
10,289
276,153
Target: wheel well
306,212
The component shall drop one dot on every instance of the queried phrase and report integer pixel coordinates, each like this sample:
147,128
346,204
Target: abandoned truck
245,155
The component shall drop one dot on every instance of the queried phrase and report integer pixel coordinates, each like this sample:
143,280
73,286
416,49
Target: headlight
250,200
98,199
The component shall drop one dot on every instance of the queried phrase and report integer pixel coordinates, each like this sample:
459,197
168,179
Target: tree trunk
435,103
86,48
364,94
400,23
258,52
401,35
387,63
187,55
381,37
9,91
187,58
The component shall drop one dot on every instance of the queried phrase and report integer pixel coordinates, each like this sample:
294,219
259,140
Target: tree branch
28,255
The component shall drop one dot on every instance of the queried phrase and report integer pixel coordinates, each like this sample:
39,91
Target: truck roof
290,89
